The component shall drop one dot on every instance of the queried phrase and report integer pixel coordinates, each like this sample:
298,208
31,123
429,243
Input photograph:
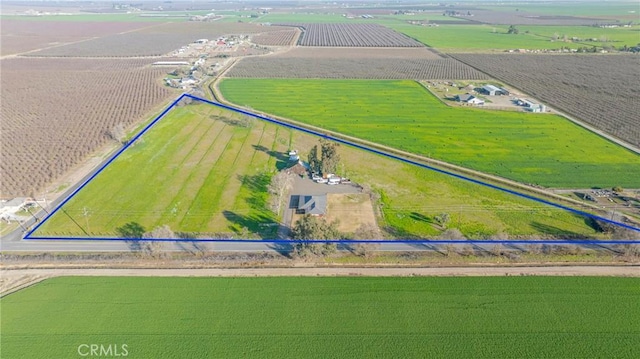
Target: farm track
216,93
336,271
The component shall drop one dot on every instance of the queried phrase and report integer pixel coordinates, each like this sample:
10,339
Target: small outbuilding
315,205
531,106
469,99
493,90
16,205
293,156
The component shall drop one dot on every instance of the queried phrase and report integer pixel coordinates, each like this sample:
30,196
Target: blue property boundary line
30,236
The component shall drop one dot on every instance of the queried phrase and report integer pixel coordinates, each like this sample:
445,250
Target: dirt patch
12,281
351,210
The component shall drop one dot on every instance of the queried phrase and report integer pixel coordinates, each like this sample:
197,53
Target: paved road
122,246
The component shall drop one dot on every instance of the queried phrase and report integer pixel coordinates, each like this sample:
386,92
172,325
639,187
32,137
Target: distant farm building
9,208
493,90
188,80
469,99
531,106
315,205
170,63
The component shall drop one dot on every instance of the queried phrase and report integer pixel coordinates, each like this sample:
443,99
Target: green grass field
542,149
366,317
622,10
203,176
191,172
315,18
478,38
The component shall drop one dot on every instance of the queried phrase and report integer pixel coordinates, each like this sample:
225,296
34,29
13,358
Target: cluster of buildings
489,90
189,73
208,17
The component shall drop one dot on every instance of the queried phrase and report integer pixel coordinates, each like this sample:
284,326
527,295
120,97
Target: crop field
406,317
479,38
360,68
611,10
541,149
431,18
153,41
277,38
355,63
87,17
506,17
352,35
51,122
20,36
208,178
408,53
606,99
304,18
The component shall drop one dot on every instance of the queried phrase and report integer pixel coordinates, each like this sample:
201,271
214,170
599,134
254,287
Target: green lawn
532,148
474,38
366,317
205,176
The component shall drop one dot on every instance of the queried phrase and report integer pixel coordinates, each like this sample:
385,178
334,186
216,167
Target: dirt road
14,280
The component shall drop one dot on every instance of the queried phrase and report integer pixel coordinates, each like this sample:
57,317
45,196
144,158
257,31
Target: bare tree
496,250
280,185
153,247
534,248
452,233
117,133
364,232
311,228
443,219
467,250
162,232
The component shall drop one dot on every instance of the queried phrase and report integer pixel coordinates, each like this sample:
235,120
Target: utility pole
85,213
